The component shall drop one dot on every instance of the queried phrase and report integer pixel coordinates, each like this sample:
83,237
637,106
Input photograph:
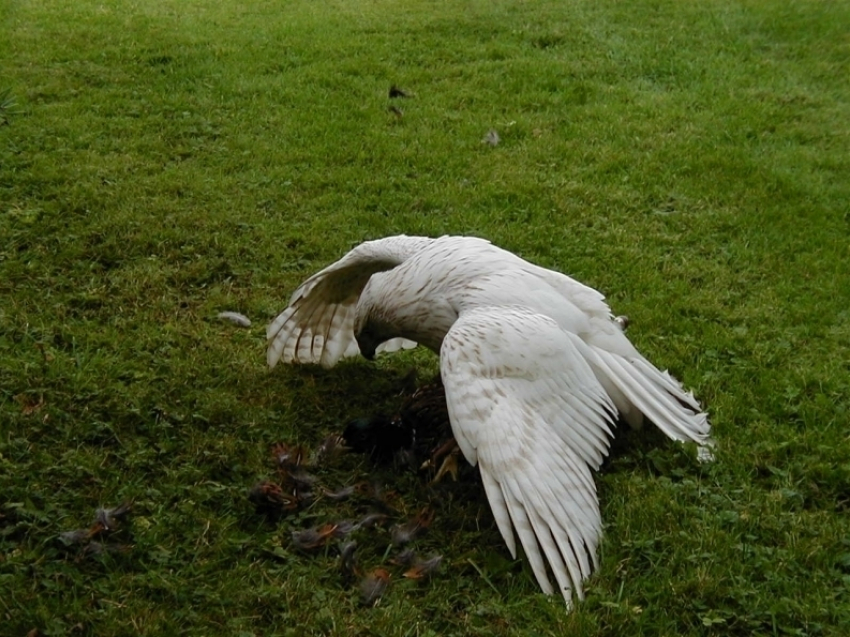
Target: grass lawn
169,159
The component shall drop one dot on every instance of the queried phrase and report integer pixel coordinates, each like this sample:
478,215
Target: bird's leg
449,451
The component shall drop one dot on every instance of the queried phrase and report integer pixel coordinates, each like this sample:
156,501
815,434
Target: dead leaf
29,404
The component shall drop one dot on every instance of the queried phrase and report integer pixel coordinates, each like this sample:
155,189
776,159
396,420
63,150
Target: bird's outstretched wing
316,327
657,395
527,408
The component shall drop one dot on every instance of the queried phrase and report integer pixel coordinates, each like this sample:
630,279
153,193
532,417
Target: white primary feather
534,367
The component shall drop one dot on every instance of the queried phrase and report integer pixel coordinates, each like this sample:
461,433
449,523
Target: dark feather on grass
423,569
373,586
314,538
371,520
330,448
300,483
404,533
106,521
405,557
397,92
270,498
341,494
348,560
77,536
287,456
109,518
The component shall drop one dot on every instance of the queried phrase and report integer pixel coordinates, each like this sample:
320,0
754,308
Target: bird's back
467,272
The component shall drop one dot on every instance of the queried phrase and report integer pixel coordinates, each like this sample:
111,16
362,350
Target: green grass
165,160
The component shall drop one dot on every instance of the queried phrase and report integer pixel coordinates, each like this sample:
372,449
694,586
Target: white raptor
535,371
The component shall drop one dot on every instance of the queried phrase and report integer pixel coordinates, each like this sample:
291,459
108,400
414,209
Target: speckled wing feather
316,327
527,408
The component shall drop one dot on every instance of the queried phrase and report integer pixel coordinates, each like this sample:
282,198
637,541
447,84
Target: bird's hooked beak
367,346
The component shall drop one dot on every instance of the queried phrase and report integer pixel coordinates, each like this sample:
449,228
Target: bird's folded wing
526,407
316,327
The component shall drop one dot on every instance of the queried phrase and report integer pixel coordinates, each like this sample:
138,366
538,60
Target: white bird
535,370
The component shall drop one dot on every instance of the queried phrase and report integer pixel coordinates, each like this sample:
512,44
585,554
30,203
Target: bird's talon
449,467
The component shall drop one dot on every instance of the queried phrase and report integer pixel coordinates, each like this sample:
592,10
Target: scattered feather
343,528
405,558
314,538
374,494
373,586
492,138
299,479
397,92
236,318
331,447
348,559
404,533
288,456
77,536
423,569
371,520
108,519
269,497
342,494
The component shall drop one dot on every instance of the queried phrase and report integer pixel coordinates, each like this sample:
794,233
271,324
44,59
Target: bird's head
372,333
368,342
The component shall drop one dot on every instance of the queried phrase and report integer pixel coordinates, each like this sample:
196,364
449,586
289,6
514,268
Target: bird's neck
424,319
